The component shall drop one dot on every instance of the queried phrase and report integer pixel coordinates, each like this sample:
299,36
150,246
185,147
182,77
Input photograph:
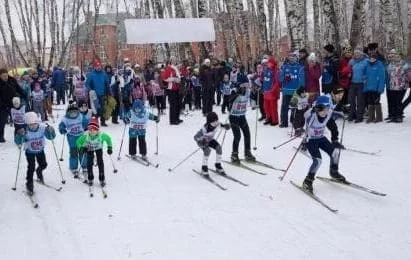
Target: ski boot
29,189
234,158
204,170
336,175
90,183
219,169
85,175
102,183
249,157
308,184
144,157
39,176
75,174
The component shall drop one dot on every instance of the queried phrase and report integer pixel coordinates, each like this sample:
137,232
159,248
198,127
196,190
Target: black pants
356,100
188,100
61,94
197,97
372,98
297,118
160,101
3,121
174,100
226,99
240,123
218,94
407,101
142,145
31,166
208,98
395,101
100,164
261,103
116,111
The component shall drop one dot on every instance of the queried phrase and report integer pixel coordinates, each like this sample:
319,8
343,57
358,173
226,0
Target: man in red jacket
171,78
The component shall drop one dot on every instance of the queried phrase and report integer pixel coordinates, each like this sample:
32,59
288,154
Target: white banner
142,31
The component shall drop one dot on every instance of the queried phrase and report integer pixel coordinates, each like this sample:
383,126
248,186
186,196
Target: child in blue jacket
374,87
33,138
73,126
137,117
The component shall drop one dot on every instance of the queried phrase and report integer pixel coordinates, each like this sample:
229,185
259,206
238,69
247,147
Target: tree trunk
356,23
399,25
52,32
262,26
295,22
305,21
277,28
43,52
6,45
270,6
160,12
186,47
14,43
202,12
388,38
38,36
317,30
409,30
331,34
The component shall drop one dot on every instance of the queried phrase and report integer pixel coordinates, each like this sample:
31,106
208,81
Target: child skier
137,118
300,104
92,142
316,121
17,114
205,139
84,110
225,89
33,138
238,109
38,100
73,126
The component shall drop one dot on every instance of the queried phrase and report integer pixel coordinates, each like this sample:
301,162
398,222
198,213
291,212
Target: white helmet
31,118
16,101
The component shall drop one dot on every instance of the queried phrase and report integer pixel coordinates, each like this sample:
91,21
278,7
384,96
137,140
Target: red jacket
167,75
345,73
312,78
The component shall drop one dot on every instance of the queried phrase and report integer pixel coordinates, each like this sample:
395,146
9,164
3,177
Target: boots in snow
378,113
219,168
204,170
249,156
234,158
371,114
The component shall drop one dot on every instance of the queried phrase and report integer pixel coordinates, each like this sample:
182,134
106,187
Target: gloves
304,146
156,119
126,120
21,131
338,145
63,131
109,150
226,126
202,143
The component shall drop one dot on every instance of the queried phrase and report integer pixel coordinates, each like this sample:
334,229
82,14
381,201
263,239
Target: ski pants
356,100
142,145
271,109
314,146
207,151
285,103
240,123
100,164
31,166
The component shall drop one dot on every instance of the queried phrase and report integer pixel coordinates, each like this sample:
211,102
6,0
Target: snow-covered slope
154,214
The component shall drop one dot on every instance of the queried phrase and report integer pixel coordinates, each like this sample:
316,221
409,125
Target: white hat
312,57
207,61
16,101
31,118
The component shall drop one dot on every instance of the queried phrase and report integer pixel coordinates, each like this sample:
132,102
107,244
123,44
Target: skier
73,126
92,142
316,121
33,137
38,101
17,114
205,139
225,89
299,105
137,118
238,109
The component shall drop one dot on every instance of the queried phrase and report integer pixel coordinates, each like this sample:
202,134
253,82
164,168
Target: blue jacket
358,69
292,77
99,82
267,80
375,77
58,77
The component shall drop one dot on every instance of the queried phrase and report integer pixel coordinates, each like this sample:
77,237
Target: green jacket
93,143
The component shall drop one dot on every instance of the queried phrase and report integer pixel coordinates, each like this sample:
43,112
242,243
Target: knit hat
211,117
272,62
346,50
97,64
82,102
337,89
72,106
293,56
93,124
16,101
303,50
372,46
31,118
329,48
312,57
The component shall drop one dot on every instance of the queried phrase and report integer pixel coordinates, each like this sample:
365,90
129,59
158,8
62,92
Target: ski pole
256,121
286,142
112,163
156,153
122,140
291,162
58,163
182,161
341,139
18,167
62,148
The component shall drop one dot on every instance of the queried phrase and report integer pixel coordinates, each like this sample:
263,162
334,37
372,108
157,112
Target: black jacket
8,90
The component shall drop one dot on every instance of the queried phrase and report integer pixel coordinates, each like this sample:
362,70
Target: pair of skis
103,191
344,183
376,153
140,160
258,163
224,175
32,196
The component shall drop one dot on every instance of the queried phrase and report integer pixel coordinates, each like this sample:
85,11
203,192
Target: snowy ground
153,214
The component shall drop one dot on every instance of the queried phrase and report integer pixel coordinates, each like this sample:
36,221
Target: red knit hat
97,64
93,124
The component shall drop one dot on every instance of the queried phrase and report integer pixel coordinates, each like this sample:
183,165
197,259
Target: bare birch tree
295,22
331,30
